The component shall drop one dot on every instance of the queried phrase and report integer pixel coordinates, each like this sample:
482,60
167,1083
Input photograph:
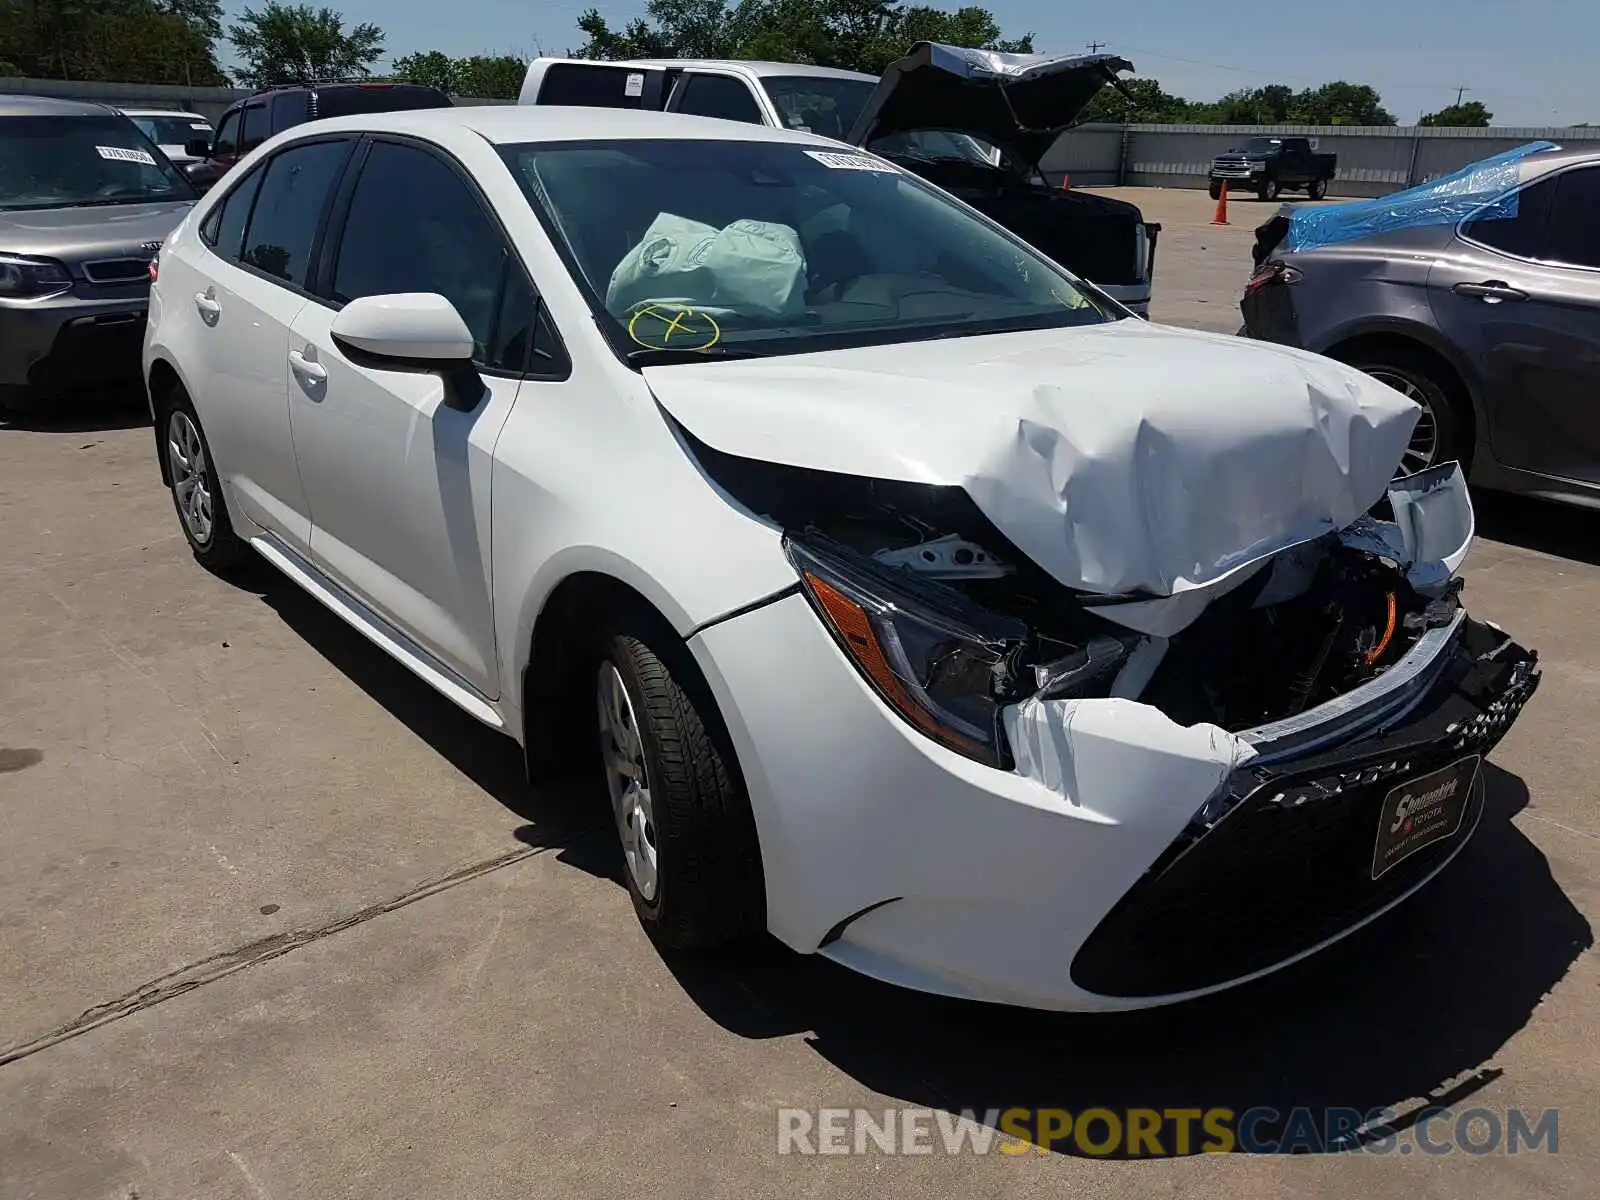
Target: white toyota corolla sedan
916,603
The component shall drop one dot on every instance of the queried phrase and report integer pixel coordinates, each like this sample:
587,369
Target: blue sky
1532,63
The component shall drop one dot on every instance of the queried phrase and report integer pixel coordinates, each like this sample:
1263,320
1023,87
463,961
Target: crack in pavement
217,966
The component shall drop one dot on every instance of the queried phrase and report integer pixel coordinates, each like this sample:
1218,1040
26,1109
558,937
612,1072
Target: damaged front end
1335,701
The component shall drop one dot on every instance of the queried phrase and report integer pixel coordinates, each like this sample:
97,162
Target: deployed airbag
754,267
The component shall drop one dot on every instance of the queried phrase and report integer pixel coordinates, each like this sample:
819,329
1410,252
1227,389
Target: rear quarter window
591,86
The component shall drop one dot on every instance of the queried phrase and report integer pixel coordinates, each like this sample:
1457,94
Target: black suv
250,122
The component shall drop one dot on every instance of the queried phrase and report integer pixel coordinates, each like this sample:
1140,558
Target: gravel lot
277,922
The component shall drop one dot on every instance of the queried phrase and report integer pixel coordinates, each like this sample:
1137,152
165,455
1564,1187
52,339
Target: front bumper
71,340
912,864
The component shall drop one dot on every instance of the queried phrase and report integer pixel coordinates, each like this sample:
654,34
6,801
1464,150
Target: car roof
513,123
50,106
164,112
760,70
1543,161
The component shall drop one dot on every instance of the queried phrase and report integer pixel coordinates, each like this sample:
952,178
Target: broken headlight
943,664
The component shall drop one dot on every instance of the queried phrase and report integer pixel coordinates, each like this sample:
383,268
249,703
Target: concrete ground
277,922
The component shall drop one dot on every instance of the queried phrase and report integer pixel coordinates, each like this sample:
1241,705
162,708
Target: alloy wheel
1423,449
191,477
627,780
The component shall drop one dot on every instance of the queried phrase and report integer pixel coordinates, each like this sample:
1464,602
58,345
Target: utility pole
1460,92
1096,47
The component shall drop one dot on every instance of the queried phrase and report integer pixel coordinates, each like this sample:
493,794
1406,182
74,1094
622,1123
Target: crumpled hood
1121,458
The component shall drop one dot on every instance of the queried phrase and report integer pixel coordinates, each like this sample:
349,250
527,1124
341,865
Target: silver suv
86,200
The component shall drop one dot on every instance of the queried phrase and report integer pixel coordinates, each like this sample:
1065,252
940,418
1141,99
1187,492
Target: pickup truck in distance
1270,165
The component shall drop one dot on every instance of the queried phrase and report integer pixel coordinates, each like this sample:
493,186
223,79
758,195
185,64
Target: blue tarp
1442,201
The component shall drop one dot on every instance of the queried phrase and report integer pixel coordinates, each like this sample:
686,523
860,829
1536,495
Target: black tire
1215,190
1269,189
1423,382
1317,189
709,888
222,550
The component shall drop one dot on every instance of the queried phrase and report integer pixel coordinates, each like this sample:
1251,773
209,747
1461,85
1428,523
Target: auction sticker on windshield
850,162
1422,812
118,154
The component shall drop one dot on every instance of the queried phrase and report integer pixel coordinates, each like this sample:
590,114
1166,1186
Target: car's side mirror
412,331
197,148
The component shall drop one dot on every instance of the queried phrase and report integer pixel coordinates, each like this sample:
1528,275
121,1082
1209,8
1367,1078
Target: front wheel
1317,189
1269,189
689,846
1216,190
196,488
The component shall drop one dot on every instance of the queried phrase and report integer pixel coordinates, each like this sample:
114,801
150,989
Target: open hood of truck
1124,459
1021,102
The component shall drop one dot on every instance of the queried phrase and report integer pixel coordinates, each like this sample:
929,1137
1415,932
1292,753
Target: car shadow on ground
556,814
1406,1010
93,412
1563,530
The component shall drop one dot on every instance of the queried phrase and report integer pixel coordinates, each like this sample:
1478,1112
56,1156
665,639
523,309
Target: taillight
155,269
1270,272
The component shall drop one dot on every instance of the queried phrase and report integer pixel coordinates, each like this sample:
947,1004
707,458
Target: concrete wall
1373,161
209,102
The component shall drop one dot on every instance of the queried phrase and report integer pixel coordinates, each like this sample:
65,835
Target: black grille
118,270
1271,879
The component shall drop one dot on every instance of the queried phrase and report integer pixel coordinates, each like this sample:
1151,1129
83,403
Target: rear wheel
1440,433
689,845
1317,189
196,488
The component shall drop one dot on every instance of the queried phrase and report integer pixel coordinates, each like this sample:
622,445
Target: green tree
492,76
1139,101
1339,103
1471,115
286,44
860,35
129,41
434,68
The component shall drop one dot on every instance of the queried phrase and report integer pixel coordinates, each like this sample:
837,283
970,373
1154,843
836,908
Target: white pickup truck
975,122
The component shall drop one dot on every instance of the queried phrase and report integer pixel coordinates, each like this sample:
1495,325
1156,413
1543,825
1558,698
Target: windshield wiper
654,356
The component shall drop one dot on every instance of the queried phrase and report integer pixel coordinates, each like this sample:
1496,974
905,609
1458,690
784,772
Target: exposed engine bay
970,625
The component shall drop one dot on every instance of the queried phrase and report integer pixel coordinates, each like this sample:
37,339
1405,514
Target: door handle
209,308
307,369
1490,291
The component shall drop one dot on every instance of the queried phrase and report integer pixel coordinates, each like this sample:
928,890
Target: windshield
174,130
64,162
1263,146
819,105
781,248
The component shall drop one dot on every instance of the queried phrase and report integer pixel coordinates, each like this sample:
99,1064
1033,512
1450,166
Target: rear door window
717,96
595,86
294,194
1572,234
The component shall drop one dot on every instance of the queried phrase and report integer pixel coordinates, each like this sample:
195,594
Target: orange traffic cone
1222,207
1066,183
